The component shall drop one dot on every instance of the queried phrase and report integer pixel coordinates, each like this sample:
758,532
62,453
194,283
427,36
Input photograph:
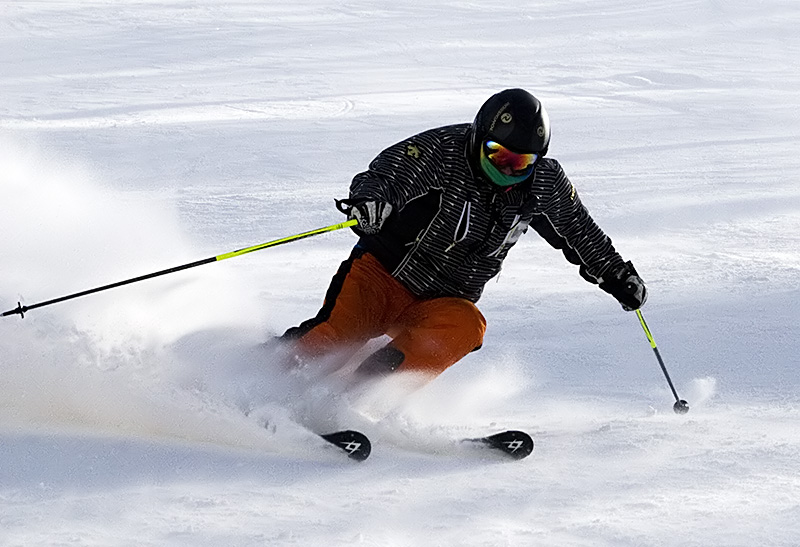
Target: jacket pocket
462,228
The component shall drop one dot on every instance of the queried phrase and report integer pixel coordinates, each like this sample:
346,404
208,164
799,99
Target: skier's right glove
626,286
370,214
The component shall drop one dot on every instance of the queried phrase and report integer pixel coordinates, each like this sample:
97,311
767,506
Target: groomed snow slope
140,135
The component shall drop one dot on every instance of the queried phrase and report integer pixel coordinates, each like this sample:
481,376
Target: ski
516,444
354,443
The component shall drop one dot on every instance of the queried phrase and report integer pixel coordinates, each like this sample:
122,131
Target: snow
141,135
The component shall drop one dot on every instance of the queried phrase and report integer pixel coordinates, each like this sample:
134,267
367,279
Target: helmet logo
504,116
540,131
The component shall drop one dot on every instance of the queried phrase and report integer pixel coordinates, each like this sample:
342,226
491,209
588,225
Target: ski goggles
503,166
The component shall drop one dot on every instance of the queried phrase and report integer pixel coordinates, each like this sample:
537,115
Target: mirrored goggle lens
506,160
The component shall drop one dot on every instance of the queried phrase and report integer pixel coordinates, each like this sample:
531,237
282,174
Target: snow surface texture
141,135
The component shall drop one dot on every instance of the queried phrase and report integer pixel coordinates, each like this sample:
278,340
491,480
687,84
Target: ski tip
515,444
354,443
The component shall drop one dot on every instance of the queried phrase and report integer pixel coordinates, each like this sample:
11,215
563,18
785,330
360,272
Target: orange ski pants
364,302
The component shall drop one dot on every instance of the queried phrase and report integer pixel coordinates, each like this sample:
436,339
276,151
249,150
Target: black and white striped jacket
451,230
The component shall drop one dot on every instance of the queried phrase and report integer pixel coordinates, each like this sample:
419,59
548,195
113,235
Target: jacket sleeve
399,174
565,224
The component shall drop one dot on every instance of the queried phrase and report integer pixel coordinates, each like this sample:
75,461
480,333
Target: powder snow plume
110,362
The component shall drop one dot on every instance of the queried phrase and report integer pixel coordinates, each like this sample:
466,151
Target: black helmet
516,119
509,135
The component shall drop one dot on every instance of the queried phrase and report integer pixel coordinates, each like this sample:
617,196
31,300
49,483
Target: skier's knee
471,326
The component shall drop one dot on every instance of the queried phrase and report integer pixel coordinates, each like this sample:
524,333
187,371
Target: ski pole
20,309
680,406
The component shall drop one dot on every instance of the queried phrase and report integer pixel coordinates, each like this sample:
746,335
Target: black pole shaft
20,309
666,374
680,406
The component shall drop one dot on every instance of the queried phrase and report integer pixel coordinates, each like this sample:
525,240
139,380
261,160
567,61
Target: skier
437,214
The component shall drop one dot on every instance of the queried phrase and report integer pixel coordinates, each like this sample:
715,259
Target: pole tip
20,310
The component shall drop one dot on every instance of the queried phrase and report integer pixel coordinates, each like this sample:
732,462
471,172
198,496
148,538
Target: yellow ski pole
680,406
20,309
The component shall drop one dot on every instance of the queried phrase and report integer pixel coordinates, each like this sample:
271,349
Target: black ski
354,443
516,444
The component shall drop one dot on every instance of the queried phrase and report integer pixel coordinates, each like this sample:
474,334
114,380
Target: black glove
626,286
370,214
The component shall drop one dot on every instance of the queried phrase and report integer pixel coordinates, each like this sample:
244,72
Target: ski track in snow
141,135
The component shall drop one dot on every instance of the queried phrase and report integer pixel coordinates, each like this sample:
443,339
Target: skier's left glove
626,286
370,214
